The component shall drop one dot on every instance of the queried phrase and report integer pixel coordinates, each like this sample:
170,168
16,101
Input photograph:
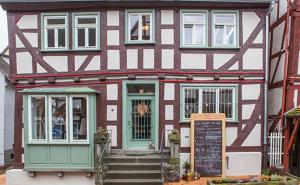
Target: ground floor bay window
59,127
208,99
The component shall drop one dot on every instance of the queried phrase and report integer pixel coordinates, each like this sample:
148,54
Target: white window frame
86,27
31,140
183,23
235,24
64,141
72,140
200,89
140,14
45,17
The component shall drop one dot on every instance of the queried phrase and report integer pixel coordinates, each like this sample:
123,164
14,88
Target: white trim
84,141
139,14
50,120
30,123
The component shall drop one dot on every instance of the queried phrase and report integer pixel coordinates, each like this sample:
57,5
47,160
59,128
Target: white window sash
72,140
140,26
225,24
194,32
31,140
50,119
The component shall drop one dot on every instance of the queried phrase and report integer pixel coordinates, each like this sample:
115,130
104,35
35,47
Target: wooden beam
293,136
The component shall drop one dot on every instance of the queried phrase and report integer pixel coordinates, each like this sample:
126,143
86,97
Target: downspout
266,83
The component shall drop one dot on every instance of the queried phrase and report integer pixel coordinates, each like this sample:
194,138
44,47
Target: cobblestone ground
202,181
2,179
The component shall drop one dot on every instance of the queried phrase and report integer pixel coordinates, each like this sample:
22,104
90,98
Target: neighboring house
7,105
284,78
82,65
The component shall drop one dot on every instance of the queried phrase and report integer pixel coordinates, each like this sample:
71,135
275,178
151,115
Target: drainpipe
266,83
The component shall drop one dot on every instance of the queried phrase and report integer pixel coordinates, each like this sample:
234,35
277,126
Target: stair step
133,174
134,159
134,166
132,182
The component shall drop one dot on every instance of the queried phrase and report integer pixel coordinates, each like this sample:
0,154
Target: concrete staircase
133,168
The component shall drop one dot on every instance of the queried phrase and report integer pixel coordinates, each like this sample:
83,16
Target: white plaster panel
28,22
168,130
79,61
259,38
112,112
295,99
19,43
112,91
253,59
277,37
250,20
193,61
148,58
234,66
231,135
113,59
59,63
24,62
132,58
185,137
247,111
250,91
169,91
112,18
282,7
47,178
254,138
40,69
32,39
273,14
279,71
167,17
169,112
274,101
167,61
244,163
183,158
167,36
113,38
221,59
94,64
114,134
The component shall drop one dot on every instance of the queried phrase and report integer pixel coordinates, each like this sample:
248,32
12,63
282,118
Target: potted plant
187,171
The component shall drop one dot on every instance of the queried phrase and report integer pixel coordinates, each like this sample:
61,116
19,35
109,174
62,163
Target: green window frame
86,28
193,25
226,26
193,97
56,31
139,14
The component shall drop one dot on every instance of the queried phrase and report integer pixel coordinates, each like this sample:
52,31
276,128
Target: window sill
209,48
74,50
139,43
58,143
29,169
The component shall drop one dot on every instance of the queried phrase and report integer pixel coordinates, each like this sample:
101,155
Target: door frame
125,105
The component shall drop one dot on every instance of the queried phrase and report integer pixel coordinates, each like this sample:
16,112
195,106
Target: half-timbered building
283,80
137,68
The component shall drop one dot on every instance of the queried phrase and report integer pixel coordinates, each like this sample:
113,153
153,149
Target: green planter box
290,181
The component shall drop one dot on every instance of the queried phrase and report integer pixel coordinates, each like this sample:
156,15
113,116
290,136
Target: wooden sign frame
208,117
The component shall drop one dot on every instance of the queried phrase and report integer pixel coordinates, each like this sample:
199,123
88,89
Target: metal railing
162,155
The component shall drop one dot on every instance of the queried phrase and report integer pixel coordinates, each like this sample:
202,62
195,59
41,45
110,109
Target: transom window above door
55,32
225,29
208,99
193,28
86,28
140,26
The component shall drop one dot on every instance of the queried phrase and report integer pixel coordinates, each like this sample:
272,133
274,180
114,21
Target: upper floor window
224,29
140,27
86,28
209,100
55,32
193,28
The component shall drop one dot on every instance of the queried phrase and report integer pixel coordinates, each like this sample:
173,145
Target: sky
3,30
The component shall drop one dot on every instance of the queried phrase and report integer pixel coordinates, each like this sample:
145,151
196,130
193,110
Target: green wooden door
140,122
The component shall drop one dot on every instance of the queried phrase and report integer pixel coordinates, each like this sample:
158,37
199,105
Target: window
193,29
86,29
209,100
55,32
37,111
67,117
225,29
140,27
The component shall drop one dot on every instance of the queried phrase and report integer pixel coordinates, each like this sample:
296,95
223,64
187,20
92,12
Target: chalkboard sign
208,144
